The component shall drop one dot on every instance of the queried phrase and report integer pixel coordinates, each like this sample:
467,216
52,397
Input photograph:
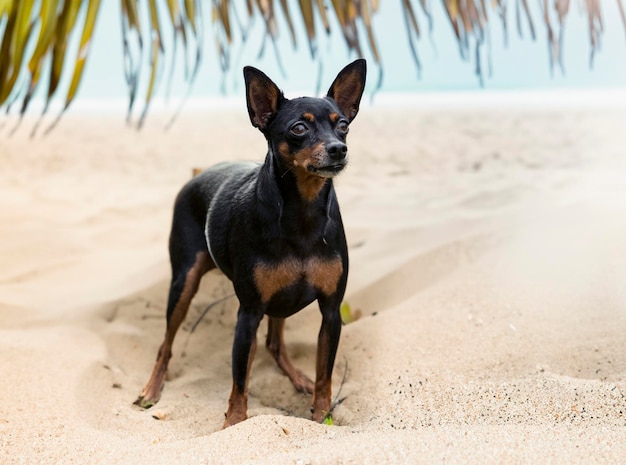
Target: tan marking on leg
238,401
237,407
270,279
324,274
276,346
151,393
323,389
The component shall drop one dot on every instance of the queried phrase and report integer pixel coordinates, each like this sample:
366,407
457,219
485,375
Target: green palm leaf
19,28
47,21
83,51
64,27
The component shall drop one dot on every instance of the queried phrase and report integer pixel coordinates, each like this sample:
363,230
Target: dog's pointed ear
348,86
262,97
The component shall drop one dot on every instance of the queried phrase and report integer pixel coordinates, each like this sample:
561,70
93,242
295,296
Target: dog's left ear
347,88
262,97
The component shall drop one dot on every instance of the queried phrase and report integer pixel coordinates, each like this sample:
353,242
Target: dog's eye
342,125
298,129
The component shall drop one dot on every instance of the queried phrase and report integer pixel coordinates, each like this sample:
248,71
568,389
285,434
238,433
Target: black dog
274,230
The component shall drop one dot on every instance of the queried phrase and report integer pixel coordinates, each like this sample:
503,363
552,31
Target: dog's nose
337,151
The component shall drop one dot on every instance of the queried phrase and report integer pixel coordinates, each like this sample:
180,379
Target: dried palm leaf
292,31
177,30
413,32
621,12
190,18
321,7
562,8
553,45
366,15
596,27
306,8
131,31
531,25
156,49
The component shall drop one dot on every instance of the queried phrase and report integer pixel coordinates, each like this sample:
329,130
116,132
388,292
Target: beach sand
488,261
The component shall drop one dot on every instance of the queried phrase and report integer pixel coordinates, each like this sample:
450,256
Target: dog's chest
319,273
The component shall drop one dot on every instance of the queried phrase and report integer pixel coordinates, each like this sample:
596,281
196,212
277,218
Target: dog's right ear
347,89
262,97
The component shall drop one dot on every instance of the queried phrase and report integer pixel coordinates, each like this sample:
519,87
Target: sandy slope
487,257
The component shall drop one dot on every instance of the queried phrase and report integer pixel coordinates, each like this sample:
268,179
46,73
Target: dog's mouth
328,171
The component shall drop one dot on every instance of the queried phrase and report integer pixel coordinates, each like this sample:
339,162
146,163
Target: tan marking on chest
321,273
270,279
324,274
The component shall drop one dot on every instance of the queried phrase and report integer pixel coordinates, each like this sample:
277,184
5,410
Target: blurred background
509,59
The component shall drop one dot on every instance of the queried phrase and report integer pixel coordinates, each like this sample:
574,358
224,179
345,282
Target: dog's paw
303,383
144,403
233,419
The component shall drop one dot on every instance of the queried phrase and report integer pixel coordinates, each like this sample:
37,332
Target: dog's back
189,222
211,198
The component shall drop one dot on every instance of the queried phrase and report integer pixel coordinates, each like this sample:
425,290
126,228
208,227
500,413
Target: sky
522,64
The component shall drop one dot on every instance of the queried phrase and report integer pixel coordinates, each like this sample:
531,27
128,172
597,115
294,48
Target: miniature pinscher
274,229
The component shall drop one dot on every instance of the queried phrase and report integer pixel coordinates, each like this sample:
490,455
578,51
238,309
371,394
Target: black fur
246,214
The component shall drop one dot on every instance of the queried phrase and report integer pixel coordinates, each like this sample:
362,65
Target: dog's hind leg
276,346
190,261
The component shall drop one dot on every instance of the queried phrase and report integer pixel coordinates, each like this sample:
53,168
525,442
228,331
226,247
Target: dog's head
308,135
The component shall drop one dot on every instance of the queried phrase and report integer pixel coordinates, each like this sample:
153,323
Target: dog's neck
277,191
295,186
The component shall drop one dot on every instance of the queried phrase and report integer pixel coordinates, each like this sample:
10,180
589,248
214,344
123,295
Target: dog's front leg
244,348
327,343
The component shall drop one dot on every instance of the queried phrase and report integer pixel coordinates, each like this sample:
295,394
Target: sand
488,262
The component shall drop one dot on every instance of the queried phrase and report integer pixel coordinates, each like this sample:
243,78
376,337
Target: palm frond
36,32
66,21
133,49
47,20
292,31
83,51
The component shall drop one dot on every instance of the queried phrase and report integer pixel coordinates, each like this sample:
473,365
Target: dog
274,229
